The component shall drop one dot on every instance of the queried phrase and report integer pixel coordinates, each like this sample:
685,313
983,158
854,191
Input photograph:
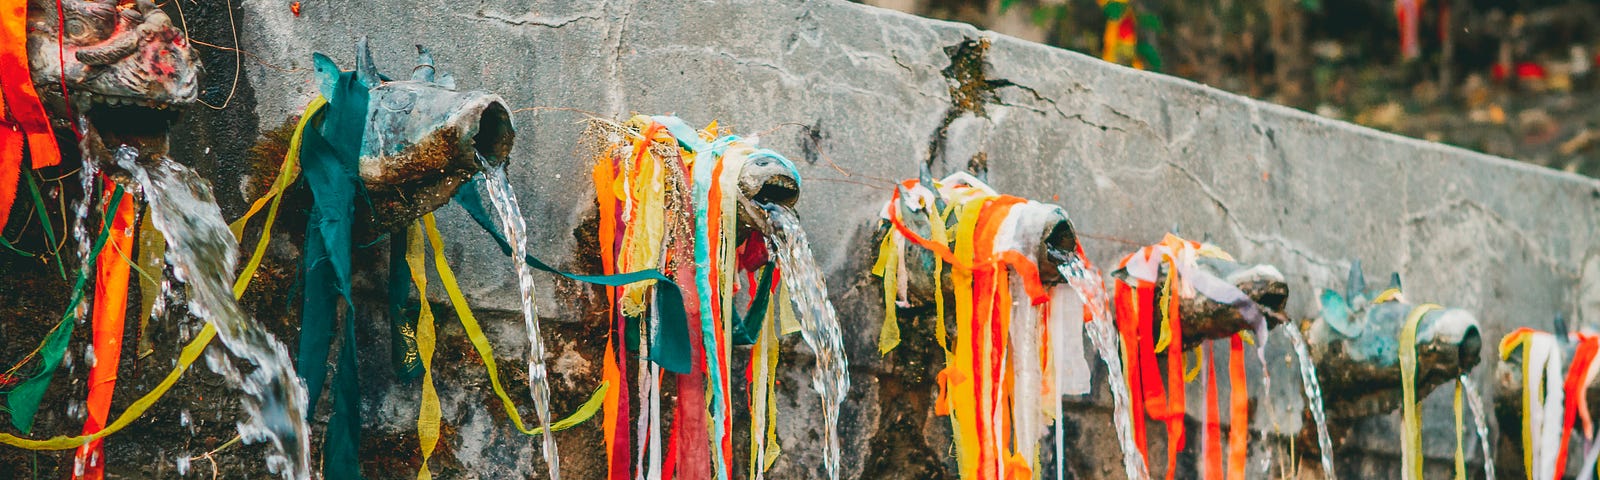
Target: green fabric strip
44,219
328,156
23,400
402,314
747,328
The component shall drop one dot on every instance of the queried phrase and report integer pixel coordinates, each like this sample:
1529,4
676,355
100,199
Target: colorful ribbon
109,311
19,98
1009,362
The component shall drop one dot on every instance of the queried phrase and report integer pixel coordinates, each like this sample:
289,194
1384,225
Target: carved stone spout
765,180
1205,318
1356,347
1042,232
126,69
421,139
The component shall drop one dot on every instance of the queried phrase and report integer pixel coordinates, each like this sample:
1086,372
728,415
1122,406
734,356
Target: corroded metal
116,54
1356,347
423,140
764,180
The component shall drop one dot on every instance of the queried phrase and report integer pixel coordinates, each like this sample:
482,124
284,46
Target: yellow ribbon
1411,419
286,176
429,414
888,267
480,342
1461,449
190,353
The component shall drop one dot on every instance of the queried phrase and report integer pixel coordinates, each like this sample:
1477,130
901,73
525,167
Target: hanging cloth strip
19,99
23,399
109,311
1143,336
1575,391
329,153
1543,426
1014,349
1411,416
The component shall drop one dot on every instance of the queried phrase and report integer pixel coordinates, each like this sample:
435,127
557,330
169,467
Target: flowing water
1481,423
498,190
202,253
80,224
1104,339
1308,378
819,325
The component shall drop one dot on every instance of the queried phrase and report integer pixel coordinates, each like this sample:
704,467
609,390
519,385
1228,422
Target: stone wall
860,97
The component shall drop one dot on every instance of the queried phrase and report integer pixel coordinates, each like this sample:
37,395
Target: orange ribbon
1588,346
27,118
110,309
1239,428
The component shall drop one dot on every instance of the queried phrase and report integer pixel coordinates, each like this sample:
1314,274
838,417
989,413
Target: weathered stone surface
860,97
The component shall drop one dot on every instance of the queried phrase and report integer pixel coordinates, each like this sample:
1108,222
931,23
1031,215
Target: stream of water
1308,378
819,325
498,191
1481,423
203,252
1103,336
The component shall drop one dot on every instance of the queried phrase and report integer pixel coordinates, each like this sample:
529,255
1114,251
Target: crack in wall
528,19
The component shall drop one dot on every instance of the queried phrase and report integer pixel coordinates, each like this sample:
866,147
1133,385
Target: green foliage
1149,22
1116,10
1152,58
1046,15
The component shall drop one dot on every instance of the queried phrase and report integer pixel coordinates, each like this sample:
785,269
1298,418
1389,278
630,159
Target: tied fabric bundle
1018,343
1554,398
668,198
1149,325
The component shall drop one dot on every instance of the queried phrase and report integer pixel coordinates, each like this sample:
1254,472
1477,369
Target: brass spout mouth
1274,297
778,190
492,134
1059,246
1468,350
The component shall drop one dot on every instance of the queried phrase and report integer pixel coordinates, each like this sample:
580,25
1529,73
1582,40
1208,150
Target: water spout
1308,378
498,190
819,324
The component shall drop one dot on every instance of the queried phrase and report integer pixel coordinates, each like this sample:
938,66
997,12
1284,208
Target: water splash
819,325
1103,337
497,188
1308,378
80,223
1481,423
202,252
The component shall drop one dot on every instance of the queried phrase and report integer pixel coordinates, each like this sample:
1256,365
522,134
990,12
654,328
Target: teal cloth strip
669,344
23,400
747,328
328,156
402,314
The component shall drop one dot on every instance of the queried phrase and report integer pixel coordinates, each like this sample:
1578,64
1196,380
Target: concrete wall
860,97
